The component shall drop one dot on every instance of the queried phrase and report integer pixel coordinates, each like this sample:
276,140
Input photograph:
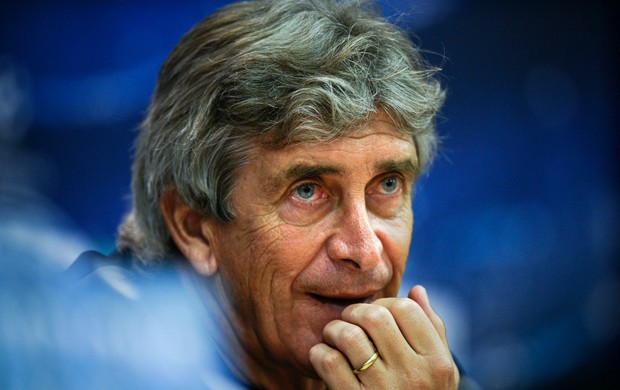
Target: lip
342,300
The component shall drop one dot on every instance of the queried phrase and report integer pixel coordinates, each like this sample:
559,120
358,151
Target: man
275,168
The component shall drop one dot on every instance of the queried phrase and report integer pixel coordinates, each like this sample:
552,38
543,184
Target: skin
306,274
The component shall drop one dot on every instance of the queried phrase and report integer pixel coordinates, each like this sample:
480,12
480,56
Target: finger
419,294
414,324
352,341
380,325
332,367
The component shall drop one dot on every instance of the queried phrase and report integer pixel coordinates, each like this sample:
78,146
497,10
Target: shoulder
138,326
120,275
116,273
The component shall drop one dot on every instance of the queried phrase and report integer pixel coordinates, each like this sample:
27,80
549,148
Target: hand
406,332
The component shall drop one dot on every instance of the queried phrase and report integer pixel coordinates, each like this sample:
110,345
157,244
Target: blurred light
58,335
15,101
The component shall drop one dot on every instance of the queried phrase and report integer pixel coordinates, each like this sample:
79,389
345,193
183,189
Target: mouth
341,301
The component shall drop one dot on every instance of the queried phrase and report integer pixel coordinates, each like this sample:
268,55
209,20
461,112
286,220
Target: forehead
377,132
374,146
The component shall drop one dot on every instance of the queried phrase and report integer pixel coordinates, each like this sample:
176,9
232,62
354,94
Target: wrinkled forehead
316,132
377,134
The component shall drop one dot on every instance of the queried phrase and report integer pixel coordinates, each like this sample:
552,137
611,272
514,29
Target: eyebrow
406,166
299,171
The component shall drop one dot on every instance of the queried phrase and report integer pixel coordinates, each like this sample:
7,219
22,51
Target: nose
354,239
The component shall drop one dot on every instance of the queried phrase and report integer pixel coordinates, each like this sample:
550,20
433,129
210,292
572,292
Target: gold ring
368,363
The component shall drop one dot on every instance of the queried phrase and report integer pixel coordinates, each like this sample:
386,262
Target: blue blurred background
516,224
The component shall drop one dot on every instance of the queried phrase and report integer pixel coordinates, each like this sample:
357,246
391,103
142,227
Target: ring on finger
367,364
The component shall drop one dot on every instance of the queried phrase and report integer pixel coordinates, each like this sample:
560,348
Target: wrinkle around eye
296,210
377,187
388,204
318,193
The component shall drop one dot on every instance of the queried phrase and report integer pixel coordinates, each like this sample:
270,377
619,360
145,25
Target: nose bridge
355,239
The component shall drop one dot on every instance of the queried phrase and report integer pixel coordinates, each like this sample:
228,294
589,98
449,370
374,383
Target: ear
191,232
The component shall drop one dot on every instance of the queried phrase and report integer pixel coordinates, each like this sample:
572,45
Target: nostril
353,263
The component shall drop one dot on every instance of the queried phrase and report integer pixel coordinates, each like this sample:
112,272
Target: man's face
318,227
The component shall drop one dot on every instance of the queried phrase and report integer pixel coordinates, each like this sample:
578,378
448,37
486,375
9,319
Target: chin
299,356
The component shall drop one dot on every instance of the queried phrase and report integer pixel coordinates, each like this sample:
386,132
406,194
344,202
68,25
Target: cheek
247,255
272,255
298,246
395,234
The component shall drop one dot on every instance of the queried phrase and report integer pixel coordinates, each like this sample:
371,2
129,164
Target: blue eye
306,191
389,184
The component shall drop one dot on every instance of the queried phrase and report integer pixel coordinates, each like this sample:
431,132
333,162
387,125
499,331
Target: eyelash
399,183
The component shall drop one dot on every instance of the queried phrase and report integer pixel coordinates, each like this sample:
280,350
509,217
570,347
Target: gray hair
265,74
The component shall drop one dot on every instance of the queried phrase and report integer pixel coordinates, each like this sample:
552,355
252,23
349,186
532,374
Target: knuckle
438,372
441,327
330,360
331,327
440,323
352,336
406,306
443,367
377,316
420,383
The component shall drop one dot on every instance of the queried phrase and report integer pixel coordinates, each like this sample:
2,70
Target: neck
241,350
